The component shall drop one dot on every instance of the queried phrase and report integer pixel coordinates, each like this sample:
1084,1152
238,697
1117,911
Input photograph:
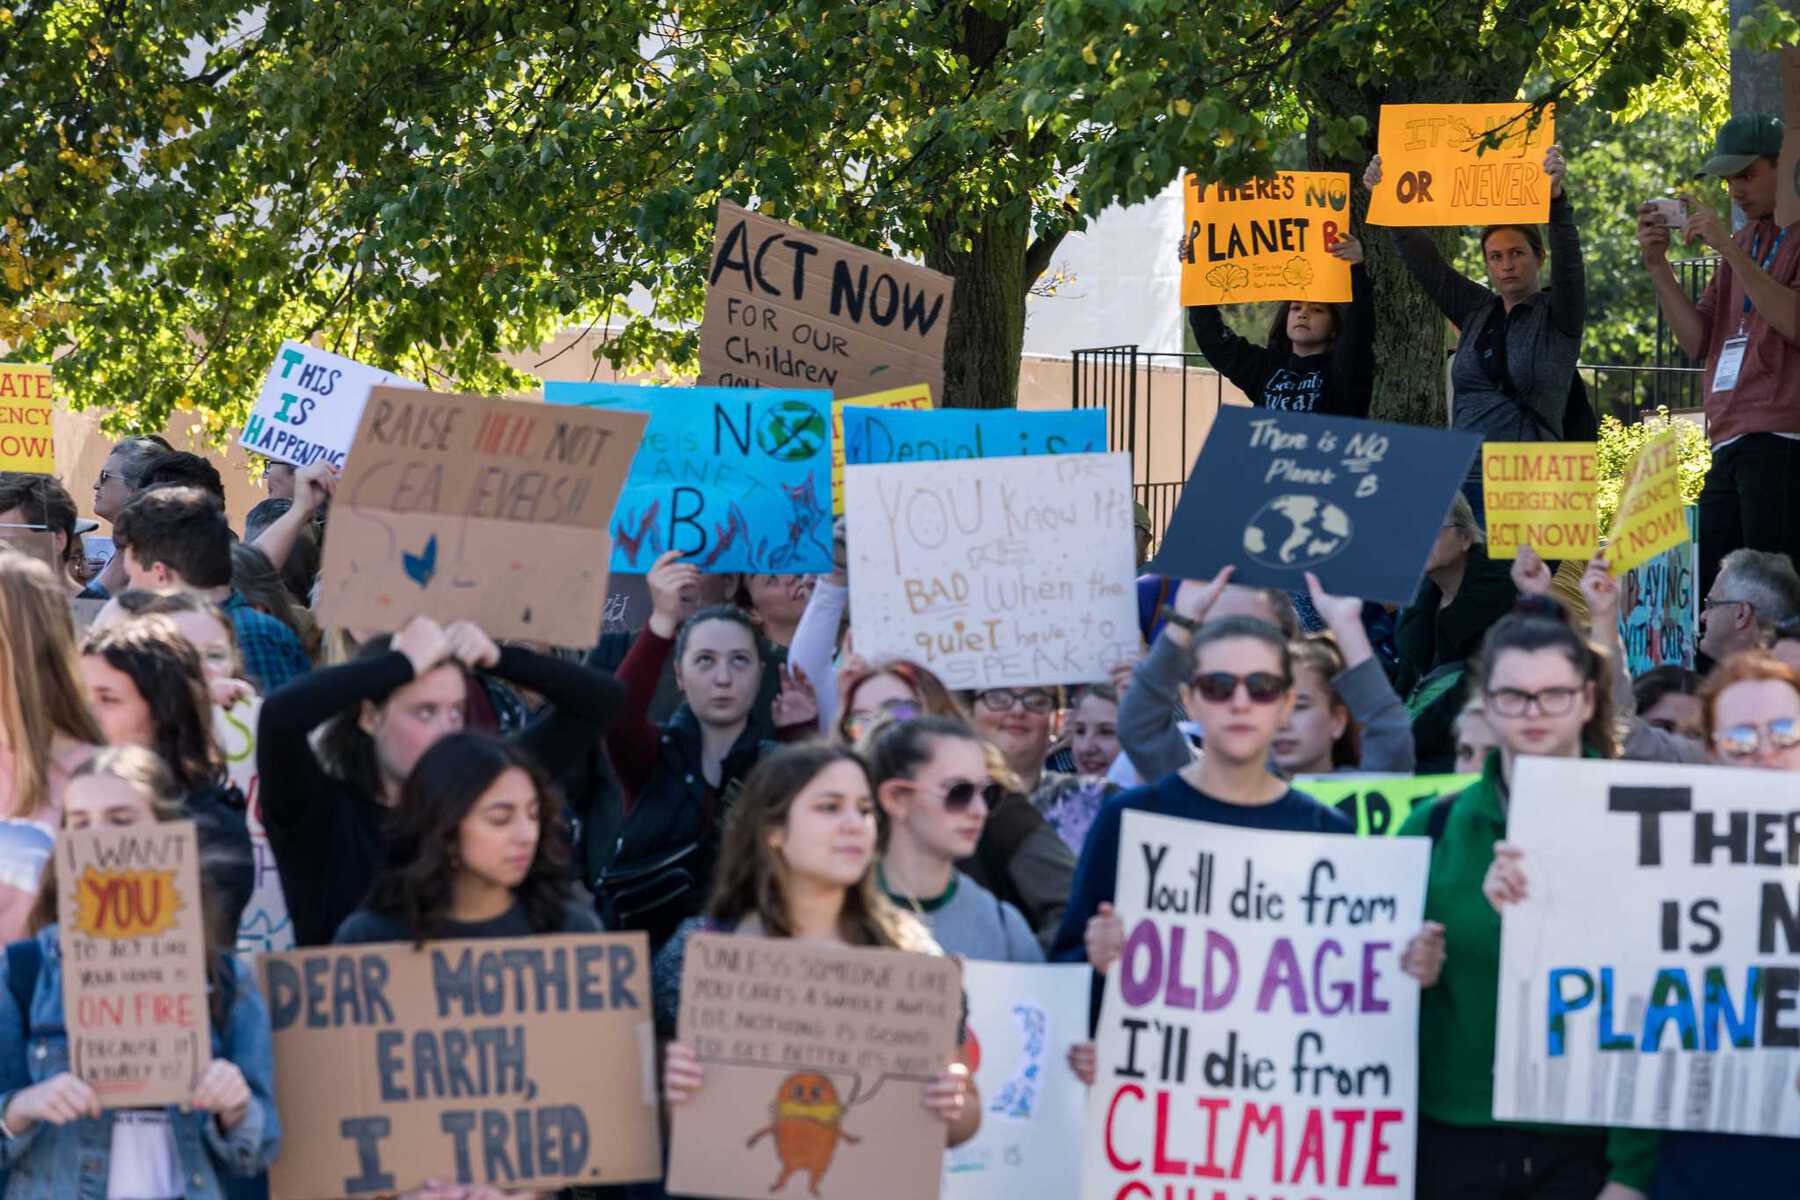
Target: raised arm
631,739
1455,296
1568,274
1149,732
1691,322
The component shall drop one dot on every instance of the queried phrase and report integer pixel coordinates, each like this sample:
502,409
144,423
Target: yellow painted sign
1436,169
1649,520
1540,494
26,443
918,396
1269,239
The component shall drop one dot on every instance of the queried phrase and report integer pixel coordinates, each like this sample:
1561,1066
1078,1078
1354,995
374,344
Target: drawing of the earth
1296,531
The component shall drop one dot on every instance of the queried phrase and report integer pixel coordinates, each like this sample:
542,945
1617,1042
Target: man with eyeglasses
1756,590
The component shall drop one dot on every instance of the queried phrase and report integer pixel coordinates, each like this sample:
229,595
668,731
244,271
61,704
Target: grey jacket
1543,341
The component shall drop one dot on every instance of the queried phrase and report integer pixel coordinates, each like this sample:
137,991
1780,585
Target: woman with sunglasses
898,690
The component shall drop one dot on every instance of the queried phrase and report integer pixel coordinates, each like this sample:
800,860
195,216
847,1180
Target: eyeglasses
1715,601
999,700
898,710
959,794
1263,687
104,476
1551,702
1744,741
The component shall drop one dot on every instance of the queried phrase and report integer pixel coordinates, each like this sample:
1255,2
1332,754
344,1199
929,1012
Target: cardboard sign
1020,573
816,1059
128,911
1659,606
265,927
1279,494
734,478
475,508
1787,168
1268,239
1678,1009
786,307
1649,519
1378,805
1257,1031
1540,494
1022,1021
311,405
26,441
1436,169
522,1063
917,398
871,438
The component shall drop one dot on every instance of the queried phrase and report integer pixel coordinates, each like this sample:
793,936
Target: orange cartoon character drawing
806,1121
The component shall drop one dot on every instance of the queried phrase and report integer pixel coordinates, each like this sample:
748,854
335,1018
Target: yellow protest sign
1540,494
1649,519
1269,239
918,396
1436,170
26,443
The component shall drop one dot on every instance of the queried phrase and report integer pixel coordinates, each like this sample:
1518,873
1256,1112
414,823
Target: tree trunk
987,315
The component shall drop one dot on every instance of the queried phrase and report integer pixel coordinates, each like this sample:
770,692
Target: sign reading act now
1540,494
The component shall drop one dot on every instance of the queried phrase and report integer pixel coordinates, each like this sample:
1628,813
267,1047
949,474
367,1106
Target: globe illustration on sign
1296,532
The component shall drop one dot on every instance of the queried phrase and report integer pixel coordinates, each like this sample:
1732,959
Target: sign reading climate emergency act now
1540,494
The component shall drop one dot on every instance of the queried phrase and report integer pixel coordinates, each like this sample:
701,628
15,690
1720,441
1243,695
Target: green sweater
1457,1014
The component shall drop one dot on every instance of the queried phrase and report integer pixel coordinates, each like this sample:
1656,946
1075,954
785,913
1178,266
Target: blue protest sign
873,436
737,478
1279,494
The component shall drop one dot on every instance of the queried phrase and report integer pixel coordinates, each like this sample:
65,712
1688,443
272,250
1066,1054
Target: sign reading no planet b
737,479
1279,494
1269,239
26,440
310,405
1437,169
1540,494
786,307
1651,976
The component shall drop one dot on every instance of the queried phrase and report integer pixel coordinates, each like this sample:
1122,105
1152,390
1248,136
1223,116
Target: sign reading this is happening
311,404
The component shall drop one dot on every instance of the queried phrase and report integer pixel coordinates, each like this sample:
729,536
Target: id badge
1731,360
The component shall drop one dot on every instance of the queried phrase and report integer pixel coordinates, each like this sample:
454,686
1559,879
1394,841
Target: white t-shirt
145,1164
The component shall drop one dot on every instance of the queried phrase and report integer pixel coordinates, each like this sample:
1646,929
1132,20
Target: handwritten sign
1540,494
1021,573
1282,493
1379,804
1022,1021
786,307
311,405
26,440
1649,518
1659,607
1678,1010
265,926
1257,1030
128,911
872,437
475,508
734,478
1268,239
816,1058
917,398
525,1063
1436,168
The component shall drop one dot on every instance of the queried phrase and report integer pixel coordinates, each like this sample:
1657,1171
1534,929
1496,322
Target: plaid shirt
272,654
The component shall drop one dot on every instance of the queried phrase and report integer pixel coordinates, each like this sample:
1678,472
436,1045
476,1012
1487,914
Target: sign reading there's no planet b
1278,494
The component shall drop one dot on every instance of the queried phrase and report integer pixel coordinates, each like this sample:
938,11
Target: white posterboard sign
1022,1020
266,927
310,405
1002,572
1651,977
1258,1037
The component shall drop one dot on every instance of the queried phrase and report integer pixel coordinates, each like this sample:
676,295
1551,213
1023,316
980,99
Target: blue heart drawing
422,566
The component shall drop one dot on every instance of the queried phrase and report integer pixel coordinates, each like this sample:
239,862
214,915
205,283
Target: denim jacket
51,1162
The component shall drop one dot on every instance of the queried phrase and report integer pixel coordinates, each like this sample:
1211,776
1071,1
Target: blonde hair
1462,517
40,685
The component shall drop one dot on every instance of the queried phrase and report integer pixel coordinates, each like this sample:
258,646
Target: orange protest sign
918,397
1269,239
26,443
1437,168
1540,494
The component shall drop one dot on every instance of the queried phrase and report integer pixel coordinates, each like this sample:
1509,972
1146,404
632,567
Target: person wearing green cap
1746,325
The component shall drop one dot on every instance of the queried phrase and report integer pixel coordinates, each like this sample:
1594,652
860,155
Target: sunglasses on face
959,794
1002,699
1263,687
899,710
1745,741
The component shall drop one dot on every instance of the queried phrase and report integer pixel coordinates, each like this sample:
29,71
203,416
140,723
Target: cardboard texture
1649,519
525,1063
1787,169
1435,171
134,961
816,1059
1378,805
311,404
1269,239
1020,573
1540,494
476,508
872,438
735,478
27,442
916,397
786,307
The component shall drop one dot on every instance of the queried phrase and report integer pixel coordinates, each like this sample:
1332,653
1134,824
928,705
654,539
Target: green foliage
1619,445
1769,27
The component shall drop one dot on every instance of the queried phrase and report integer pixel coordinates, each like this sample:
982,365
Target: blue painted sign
873,436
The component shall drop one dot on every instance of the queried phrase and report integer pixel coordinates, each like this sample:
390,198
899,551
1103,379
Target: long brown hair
40,685
165,668
749,873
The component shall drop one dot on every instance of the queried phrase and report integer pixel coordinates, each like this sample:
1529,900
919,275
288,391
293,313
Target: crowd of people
734,766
